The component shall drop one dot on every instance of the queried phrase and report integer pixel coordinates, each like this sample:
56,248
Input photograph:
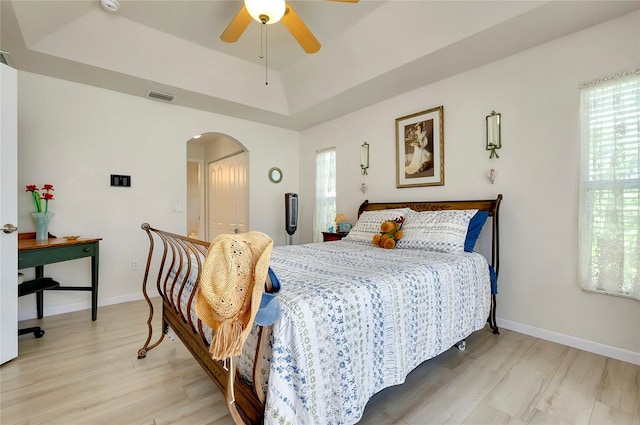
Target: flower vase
42,224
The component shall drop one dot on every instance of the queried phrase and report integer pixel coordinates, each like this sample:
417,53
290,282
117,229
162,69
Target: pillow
442,231
475,226
369,224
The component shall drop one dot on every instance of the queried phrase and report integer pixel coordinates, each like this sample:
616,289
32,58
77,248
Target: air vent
4,58
165,97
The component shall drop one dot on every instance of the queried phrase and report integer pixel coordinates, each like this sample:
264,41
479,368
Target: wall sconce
494,141
364,158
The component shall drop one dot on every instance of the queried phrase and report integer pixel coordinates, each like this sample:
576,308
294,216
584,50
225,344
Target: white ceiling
371,50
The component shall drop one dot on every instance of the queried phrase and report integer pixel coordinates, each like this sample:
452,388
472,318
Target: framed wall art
420,149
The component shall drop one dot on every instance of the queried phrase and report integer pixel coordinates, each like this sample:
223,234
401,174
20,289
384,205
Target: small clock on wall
275,175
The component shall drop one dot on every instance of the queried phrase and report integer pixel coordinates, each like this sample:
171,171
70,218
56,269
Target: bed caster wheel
462,345
38,333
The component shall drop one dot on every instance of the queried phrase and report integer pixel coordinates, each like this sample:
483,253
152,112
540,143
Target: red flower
36,196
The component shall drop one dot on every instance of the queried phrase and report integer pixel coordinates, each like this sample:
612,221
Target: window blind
325,211
610,195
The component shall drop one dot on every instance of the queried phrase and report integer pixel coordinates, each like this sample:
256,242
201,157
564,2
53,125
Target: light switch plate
120,180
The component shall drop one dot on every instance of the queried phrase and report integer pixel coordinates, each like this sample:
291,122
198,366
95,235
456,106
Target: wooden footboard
179,264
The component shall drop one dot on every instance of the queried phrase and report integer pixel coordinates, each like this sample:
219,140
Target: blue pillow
475,226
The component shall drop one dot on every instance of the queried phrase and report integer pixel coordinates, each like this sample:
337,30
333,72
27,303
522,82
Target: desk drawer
40,257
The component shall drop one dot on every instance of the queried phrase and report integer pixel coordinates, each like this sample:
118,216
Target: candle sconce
364,158
494,137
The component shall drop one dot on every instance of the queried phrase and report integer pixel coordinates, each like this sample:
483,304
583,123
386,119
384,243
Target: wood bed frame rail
175,257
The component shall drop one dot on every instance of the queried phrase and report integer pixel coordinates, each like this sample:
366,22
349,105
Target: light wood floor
84,372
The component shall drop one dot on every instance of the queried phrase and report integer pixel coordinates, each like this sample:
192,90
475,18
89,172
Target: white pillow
369,223
442,231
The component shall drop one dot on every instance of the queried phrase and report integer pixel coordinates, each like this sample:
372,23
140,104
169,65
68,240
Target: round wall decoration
275,175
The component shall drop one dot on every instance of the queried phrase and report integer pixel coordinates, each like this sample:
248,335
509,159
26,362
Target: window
609,231
325,192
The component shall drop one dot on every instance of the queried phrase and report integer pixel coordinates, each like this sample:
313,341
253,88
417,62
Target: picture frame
420,149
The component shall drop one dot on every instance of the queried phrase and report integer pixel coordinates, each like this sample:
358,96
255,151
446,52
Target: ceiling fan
270,12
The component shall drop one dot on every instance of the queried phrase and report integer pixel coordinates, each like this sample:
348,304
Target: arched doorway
217,186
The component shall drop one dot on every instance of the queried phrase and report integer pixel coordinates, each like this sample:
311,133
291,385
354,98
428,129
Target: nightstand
333,236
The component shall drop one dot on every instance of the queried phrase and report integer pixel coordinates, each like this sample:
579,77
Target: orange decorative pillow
391,231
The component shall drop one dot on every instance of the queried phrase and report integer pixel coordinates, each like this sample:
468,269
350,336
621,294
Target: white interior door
8,213
228,197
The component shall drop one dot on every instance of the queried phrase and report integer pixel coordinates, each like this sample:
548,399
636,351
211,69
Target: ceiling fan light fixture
266,11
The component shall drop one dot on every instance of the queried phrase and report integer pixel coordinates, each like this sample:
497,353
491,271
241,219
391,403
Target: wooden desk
33,253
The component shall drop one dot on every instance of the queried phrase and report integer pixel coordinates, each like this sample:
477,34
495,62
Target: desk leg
40,294
94,284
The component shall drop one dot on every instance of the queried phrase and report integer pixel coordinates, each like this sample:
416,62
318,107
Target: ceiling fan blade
300,31
236,27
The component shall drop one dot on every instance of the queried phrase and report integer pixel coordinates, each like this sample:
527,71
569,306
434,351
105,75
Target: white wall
537,93
74,136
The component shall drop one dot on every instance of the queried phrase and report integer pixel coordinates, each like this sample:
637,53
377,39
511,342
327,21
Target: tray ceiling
371,50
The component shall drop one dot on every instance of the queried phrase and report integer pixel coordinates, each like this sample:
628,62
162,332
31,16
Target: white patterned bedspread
358,318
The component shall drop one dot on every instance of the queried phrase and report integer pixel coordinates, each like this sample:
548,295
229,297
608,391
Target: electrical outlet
135,264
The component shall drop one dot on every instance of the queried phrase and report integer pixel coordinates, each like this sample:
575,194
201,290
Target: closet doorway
217,186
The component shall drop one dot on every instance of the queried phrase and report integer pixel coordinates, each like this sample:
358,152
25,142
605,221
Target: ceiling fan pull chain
263,49
266,53
262,27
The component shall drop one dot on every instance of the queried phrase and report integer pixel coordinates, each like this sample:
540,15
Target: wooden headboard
490,205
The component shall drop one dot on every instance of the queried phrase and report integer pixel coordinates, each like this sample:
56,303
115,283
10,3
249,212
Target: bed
356,318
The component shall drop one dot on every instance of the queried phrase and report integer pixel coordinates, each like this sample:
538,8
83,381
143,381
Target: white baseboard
68,308
571,341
